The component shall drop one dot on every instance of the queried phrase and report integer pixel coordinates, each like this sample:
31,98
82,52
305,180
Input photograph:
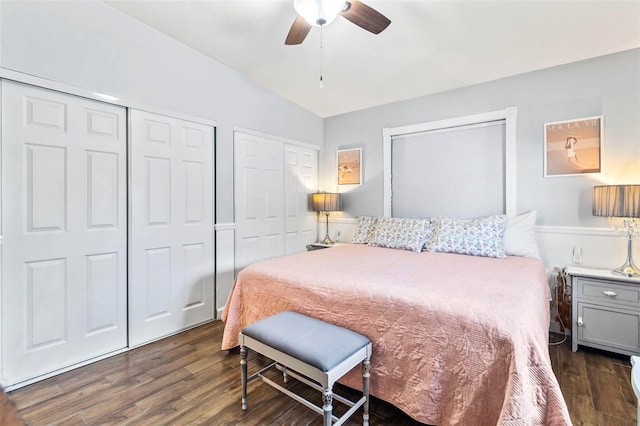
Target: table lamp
621,201
327,203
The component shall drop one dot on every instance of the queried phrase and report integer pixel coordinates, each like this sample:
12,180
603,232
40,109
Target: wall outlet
577,255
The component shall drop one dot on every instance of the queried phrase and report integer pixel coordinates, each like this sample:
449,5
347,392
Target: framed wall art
573,147
349,166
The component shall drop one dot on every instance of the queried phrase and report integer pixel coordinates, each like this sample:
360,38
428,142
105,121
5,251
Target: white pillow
520,236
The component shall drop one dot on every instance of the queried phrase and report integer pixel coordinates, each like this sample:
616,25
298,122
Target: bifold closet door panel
259,198
301,180
64,223
171,251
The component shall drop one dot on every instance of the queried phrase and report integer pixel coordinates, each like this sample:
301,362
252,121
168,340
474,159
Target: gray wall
91,46
608,86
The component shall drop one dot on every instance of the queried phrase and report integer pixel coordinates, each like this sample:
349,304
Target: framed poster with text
573,147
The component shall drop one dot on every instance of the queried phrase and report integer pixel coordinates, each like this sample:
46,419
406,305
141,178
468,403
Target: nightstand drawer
608,291
615,329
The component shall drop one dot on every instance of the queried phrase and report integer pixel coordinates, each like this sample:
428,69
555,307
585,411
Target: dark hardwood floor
187,379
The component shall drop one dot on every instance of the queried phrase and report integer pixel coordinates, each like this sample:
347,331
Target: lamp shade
616,200
327,202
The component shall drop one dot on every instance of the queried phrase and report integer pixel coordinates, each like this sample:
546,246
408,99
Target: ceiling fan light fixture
319,12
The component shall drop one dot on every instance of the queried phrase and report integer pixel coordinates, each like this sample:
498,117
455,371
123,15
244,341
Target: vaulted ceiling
430,46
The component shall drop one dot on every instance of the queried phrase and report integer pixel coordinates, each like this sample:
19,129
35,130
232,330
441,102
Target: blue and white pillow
475,237
366,228
401,233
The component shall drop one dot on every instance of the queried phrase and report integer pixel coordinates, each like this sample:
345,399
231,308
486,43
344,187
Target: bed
456,304
457,339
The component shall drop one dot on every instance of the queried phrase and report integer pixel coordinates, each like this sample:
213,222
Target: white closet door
171,225
301,180
64,249
259,198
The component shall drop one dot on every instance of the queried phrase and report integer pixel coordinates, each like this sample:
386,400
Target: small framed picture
573,147
350,166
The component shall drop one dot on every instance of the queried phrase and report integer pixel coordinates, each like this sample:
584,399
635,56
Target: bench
312,351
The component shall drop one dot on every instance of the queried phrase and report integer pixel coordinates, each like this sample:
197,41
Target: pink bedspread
456,339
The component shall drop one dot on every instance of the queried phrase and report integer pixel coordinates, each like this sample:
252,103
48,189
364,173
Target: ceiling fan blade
298,31
365,16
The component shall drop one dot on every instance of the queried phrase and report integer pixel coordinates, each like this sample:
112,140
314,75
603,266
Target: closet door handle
609,293
580,322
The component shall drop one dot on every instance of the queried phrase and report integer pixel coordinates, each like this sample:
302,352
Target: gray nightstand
605,311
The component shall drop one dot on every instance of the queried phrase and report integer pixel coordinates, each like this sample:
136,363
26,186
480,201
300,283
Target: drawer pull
580,322
610,293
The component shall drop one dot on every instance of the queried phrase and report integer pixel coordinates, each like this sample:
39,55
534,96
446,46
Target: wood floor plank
163,413
571,363
75,420
80,377
623,373
118,395
577,394
606,393
225,408
606,420
597,360
134,394
118,415
187,380
215,384
171,361
64,406
43,392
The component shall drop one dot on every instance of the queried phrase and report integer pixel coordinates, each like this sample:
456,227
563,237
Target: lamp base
629,269
327,240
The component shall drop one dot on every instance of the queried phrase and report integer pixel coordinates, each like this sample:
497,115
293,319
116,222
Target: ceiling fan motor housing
319,12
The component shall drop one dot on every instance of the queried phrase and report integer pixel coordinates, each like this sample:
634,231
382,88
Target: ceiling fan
319,13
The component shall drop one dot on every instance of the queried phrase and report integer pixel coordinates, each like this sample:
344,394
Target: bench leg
243,374
366,373
327,398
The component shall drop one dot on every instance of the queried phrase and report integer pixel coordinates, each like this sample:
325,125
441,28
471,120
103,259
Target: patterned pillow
433,237
400,233
476,237
366,228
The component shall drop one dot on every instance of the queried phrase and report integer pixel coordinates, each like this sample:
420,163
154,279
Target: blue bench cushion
307,339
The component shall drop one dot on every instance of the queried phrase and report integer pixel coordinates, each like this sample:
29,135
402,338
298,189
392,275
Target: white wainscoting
601,247
341,230
225,263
